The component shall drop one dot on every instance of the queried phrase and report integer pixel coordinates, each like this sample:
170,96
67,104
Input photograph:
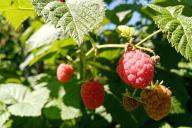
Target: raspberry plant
85,63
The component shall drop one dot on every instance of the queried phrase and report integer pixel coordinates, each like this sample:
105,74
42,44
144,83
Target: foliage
176,26
16,11
77,32
76,18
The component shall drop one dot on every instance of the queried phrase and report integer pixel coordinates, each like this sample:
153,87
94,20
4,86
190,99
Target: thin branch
148,37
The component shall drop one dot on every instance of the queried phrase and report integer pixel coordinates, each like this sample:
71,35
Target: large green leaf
22,101
75,17
16,11
176,26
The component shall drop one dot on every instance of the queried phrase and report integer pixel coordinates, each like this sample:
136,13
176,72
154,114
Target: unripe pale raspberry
129,103
92,94
136,68
156,102
64,72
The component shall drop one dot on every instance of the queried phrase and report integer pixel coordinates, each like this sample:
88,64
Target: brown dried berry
129,103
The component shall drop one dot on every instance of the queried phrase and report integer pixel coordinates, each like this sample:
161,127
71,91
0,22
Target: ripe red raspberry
92,94
156,102
129,103
64,72
136,68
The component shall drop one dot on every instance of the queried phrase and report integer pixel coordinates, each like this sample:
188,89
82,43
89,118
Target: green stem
148,37
82,63
106,46
93,43
146,49
121,45
111,46
134,92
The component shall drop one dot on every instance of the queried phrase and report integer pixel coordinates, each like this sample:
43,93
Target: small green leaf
165,125
69,112
176,106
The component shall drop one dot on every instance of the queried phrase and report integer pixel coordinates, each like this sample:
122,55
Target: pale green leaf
176,26
54,47
12,93
16,11
75,17
69,112
32,103
4,114
22,101
4,117
44,36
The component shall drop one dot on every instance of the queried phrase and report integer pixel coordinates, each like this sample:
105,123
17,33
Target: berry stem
106,46
145,49
148,37
93,44
134,92
95,47
111,46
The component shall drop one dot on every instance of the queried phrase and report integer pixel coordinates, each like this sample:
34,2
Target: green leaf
52,113
12,93
16,11
75,17
176,106
45,50
165,125
22,101
187,2
68,99
69,112
110,54
4,114
176,26
44,36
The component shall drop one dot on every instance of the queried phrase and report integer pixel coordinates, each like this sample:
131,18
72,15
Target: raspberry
157,102
92,94
129,103
64,72
136,68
